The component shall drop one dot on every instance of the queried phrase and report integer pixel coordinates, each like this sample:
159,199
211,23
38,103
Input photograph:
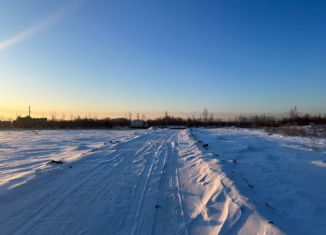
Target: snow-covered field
161,181
23,154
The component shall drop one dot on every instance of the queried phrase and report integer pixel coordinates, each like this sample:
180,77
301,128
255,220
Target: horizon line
148,115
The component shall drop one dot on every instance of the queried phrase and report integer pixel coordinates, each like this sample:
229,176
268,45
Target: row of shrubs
309,131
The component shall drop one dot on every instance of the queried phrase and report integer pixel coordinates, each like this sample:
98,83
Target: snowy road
111,190
158,182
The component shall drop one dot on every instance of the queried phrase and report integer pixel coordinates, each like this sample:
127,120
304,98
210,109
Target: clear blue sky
111,57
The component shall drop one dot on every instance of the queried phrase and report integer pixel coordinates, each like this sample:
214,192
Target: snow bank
281,176
212,203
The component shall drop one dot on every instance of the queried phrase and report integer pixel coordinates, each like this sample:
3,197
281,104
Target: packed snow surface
161,181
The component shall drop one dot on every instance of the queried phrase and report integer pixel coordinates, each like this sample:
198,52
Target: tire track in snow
180,202
144,184
102,185
144,189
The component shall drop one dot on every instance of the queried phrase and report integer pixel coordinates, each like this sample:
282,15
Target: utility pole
29,111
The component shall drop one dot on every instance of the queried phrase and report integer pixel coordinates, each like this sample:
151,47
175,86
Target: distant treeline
203,121
78,123
242,121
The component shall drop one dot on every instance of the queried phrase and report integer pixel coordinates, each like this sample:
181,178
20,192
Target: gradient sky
102,57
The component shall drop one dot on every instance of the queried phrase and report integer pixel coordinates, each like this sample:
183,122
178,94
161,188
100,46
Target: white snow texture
161,181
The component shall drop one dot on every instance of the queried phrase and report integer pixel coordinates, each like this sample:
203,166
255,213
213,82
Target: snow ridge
213,204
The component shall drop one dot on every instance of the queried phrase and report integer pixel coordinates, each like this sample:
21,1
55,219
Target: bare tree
205,116
166,114
54,116
294,113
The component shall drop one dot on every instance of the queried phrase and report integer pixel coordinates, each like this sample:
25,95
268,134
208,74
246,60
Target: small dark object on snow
271,222
268,205
157,206
56,162
70,167
205,146
250,186
35,132
235,161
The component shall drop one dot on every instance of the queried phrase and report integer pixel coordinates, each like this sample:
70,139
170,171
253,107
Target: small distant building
29,122
5,124
138,124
